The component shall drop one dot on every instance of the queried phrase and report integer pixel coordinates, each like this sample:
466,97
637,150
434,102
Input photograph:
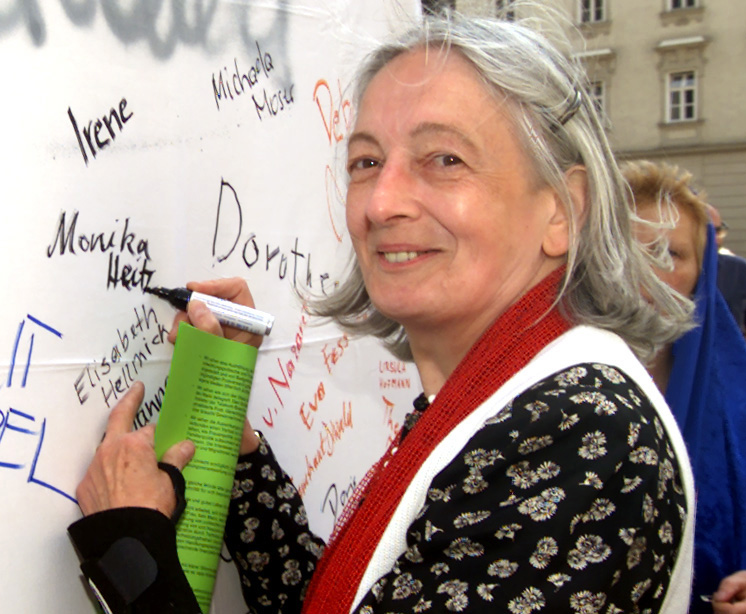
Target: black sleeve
268,536
129,559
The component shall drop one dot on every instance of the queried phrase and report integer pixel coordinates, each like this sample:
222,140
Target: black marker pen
230,314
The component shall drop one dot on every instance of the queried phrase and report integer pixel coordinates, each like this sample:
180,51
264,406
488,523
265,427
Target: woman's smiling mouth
396,257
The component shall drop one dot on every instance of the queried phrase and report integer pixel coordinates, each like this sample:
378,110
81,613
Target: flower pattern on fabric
568,500
267,535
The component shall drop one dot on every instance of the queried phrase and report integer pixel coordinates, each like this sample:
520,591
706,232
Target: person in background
731,278
541,470
721,229
702,376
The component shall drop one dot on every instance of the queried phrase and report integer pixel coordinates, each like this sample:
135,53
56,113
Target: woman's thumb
179,454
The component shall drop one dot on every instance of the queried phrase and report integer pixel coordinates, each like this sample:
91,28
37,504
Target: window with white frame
682,4
592,11
682,96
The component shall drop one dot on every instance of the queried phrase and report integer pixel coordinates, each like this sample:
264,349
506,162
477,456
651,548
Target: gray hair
607,272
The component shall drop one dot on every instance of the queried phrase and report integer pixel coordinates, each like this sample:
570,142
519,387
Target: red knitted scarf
505,348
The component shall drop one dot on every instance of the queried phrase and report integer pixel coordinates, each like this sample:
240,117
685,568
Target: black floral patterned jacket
568,500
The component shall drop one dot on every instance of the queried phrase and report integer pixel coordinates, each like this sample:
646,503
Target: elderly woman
541,470
701,375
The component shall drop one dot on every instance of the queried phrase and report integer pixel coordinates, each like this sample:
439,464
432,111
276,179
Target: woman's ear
557,238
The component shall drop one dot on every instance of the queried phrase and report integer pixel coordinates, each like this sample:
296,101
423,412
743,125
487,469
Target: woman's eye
448,160
362,164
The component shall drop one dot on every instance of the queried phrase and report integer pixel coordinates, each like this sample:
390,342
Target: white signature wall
146,143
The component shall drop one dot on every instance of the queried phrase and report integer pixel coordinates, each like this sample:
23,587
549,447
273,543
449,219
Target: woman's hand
124,471
730,597
198,315
249,440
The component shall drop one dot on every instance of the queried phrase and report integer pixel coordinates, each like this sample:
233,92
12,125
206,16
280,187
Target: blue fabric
707,395
732,285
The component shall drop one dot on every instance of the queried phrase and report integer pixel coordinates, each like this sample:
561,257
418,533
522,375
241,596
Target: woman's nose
395,194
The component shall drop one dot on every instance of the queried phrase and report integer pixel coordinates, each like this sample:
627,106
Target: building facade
668,76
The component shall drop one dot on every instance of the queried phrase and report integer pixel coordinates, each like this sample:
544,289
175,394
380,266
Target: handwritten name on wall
336,498
282,379
393,374
94,136
332,353
336,118
131,272
231,84
328,438
330,431
254,253
23,432
336,115
120,365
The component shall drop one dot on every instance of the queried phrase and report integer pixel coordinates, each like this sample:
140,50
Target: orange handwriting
333,355
328,438
336,115
287,370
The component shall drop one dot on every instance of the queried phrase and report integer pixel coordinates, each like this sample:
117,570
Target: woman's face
682,246
447,222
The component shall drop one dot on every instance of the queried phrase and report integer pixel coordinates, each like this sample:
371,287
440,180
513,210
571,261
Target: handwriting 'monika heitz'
131,272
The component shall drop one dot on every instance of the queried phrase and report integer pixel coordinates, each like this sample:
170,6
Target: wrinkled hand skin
124,471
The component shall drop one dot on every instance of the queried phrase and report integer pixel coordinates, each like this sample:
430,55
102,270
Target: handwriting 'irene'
94,135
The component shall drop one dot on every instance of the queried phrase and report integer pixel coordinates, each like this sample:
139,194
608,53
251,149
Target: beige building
669,77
